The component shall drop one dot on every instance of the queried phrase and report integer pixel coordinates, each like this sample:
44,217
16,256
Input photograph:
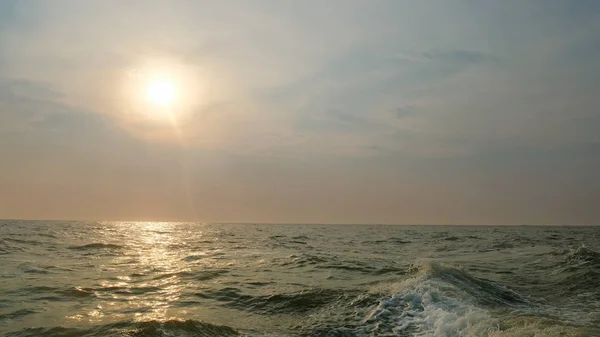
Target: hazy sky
302,111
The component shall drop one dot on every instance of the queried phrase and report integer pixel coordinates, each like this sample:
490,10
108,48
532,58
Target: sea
148,279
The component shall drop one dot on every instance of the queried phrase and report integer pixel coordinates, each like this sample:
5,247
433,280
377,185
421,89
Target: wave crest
578,270
445,301
173,327
300,302
97,245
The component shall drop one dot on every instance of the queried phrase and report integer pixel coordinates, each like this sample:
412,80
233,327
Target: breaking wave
445,301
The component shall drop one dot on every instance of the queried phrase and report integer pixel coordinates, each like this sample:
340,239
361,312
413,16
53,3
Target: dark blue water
177,279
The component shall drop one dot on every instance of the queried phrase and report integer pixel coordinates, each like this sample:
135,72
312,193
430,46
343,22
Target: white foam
426,306
422,306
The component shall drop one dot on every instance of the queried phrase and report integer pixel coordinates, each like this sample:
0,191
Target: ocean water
181,279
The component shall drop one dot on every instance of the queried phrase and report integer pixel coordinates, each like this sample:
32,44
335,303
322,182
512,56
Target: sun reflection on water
147,284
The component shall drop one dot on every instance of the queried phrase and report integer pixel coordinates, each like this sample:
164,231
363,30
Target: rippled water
175,279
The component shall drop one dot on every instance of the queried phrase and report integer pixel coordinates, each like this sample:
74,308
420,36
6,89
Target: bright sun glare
161,92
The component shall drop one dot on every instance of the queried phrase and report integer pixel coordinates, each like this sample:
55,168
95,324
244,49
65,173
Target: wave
65,294
303,260
486,292
134,329
334,263
36,268
583,256
191,327
7,249
292,303
442,300
77,292
364,268
435,300
16,314
577,270
193,258
97,245
204,275
26,242
57,294
390,240
45,235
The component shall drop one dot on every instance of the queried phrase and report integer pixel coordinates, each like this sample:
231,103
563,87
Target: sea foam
428,305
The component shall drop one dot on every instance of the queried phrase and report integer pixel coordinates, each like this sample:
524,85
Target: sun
161,92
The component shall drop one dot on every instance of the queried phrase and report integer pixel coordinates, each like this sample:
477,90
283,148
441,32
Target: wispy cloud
405,111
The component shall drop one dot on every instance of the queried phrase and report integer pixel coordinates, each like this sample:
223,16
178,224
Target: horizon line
314,223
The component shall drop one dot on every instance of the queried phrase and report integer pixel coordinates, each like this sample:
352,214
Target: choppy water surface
173,279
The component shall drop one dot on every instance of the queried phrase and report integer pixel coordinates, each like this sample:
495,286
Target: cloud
8,13
462,57
371,60
405,111
37,112
24,101
66,122
366,85
328,66
295,78
333,121
19,88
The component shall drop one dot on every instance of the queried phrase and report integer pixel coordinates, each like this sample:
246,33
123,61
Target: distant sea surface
182,279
